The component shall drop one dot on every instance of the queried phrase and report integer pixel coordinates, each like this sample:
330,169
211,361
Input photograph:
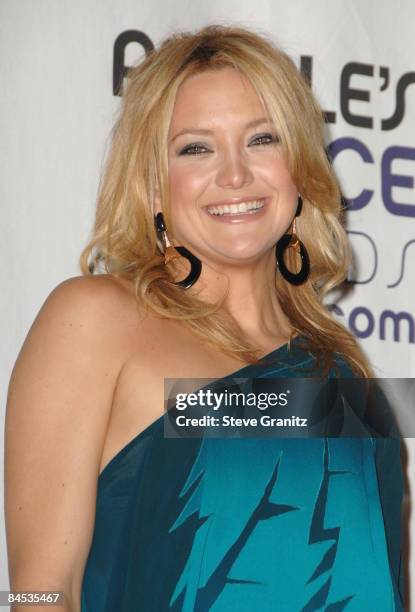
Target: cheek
276,174
186,186
186,183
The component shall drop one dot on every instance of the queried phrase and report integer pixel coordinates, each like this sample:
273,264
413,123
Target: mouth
248,207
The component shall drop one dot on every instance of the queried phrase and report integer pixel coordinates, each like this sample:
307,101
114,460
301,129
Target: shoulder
59,405
307,363
103,291
103,299
341,367
97,314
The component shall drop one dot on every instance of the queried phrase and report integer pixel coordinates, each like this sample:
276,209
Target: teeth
234,209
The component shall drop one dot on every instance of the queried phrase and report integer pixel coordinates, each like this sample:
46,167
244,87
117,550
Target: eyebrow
250,124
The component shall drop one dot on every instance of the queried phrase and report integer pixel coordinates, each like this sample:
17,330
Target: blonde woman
217,235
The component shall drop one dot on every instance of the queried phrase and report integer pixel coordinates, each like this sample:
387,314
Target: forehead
213,95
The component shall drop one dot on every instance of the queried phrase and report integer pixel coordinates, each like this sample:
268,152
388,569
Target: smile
237,209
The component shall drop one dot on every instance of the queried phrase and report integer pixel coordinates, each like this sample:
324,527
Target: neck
252,300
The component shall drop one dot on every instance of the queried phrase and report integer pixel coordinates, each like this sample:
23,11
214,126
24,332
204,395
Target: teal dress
249,524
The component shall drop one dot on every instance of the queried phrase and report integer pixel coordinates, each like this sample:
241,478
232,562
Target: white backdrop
57,108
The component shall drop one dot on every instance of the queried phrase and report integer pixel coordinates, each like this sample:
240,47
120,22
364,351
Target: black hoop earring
289,241
171,252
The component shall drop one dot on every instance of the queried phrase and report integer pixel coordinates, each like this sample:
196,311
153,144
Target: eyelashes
198,148
193,149
270,138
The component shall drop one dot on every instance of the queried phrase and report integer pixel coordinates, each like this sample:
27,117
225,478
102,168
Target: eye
262,139
193,149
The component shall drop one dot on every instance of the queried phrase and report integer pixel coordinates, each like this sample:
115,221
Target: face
224,151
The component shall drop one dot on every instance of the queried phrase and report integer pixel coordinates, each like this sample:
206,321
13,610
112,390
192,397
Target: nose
234,171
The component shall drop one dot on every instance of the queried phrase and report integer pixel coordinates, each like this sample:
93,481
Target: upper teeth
235,208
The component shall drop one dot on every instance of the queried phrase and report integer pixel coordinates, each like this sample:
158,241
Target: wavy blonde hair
124,237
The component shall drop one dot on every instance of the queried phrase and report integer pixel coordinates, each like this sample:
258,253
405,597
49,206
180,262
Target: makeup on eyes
272,138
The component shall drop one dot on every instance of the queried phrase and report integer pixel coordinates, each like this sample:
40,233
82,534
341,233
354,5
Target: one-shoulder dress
249,524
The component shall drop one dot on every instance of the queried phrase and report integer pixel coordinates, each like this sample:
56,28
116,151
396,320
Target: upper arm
58,407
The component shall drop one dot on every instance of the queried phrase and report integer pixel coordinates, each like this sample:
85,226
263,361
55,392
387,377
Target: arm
58,408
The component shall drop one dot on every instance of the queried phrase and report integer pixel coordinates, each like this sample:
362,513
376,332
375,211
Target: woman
219,226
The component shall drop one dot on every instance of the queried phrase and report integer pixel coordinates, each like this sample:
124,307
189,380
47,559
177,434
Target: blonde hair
124,237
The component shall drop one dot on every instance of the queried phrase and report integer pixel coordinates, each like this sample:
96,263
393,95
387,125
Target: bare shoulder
103,305
105,293
58,409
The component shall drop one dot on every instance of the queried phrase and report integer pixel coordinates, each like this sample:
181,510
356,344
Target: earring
171,252
291,241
